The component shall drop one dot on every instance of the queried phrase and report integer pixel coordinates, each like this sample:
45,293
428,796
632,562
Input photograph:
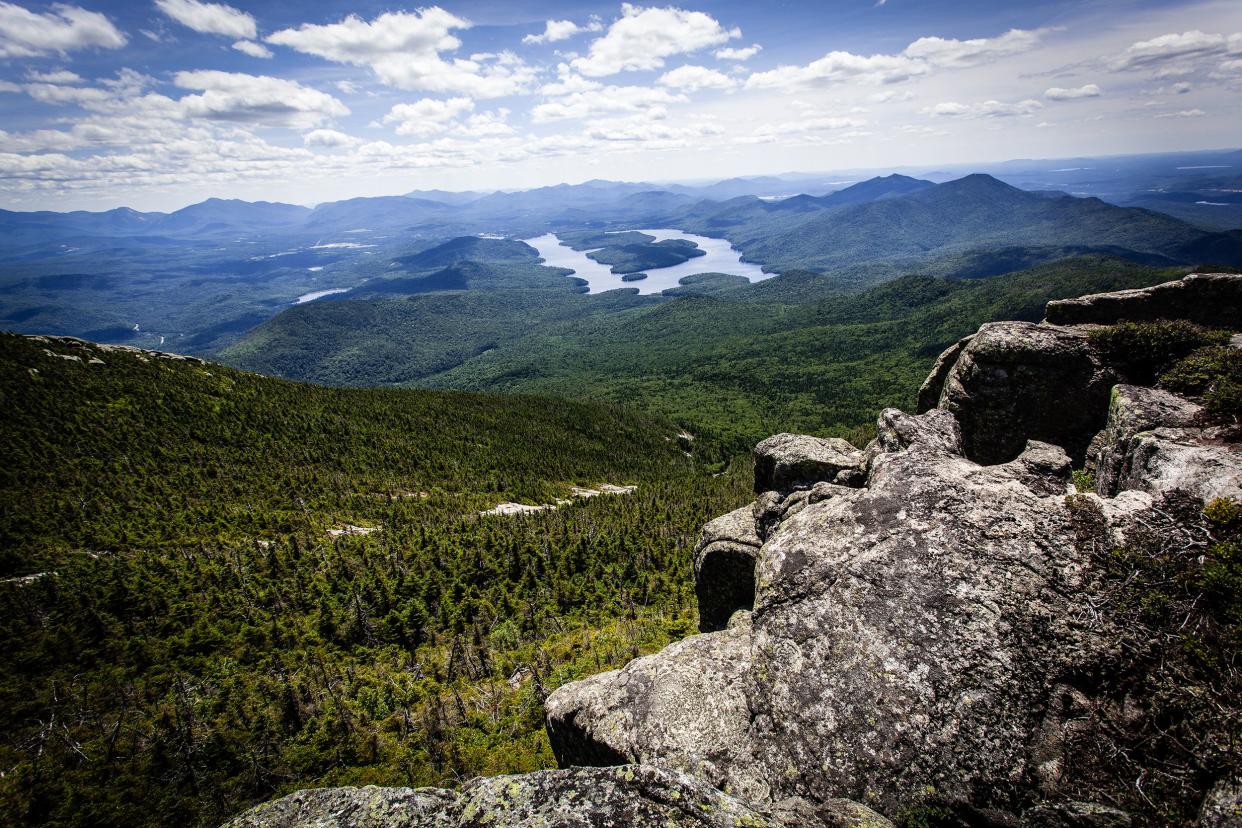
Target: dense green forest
733,363
188,629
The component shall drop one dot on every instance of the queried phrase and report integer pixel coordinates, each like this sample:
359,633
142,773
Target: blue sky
159,104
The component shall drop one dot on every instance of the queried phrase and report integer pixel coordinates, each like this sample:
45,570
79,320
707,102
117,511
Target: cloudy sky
155,104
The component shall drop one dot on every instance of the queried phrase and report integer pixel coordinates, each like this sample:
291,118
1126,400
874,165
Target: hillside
738,364
221,586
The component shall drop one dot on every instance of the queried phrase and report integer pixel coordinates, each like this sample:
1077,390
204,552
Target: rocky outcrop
576,798
1151,443
921,616
1019,381
724,568
1212,299
793,461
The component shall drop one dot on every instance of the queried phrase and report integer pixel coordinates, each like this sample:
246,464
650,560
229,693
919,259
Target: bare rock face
886,655
1150,443
1019,381
1212,299
576,798
724,568
791,461
1223,806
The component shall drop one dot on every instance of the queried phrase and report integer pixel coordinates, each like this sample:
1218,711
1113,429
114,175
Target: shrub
1143,350
1215,375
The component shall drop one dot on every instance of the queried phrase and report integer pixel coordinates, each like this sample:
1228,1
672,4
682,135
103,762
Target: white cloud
740,53
210,18
1058,93
985,109
1185,113
820,124
959,54
556,30
253,49
643,37
919,58
605,100
653,133
329,138
403,49
66,28
567,83
487,124
694,78
8,86
427,116
60,76
1174,48
256,99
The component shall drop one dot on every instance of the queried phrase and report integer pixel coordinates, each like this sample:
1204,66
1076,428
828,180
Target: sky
156,104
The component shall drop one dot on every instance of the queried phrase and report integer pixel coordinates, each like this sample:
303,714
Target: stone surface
789,461
929,392
724,568
685,707
1075,815
1150,444
904,638
1213,299
1222,808
575,798
1019,381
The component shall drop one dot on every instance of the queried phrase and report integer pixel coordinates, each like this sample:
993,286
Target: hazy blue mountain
232,213
383,212
471,248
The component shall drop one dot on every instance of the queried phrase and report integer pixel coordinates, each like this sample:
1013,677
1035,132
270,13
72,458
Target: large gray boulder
1019,381
1151,443
575,798
724,568
1212,299
791,461
905,639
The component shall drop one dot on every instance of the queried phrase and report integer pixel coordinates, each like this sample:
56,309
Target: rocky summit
942,628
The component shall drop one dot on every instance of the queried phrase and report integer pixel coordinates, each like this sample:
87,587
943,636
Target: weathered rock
724,568
368,807
1075,815
685,707
1018,381
1222,807
832,813
790,461
1213,299
1150,443
905,636
575,798
929,392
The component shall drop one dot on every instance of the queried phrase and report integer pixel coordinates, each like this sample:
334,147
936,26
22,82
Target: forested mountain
217,587
791,353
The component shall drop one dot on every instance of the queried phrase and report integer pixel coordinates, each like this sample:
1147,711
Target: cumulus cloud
1058,93
329,139
653,133
944,52
427,116
694,78
643,37
985,109
256,99
253,49
921,57
555,30
739,53
604,100
65,28
60,76
210,18
1176,48
403,49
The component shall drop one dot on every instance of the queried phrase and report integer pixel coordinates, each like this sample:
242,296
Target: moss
1084,481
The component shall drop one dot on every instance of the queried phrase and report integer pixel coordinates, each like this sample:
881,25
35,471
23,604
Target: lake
721,257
